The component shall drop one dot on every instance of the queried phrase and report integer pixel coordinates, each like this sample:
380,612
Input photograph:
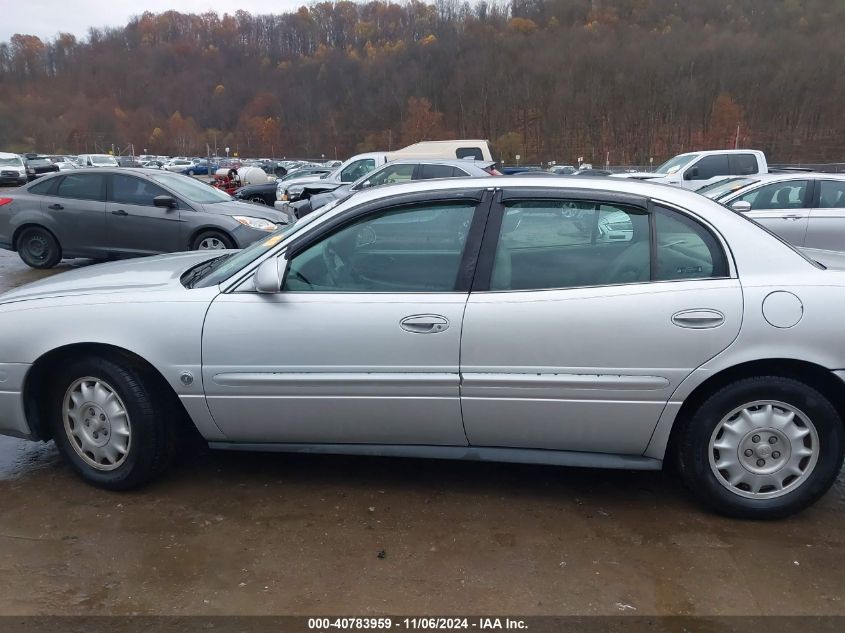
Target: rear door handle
119,212
424,323
792,216
56,207
698,319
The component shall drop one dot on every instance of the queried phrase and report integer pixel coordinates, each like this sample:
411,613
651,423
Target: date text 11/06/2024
423,623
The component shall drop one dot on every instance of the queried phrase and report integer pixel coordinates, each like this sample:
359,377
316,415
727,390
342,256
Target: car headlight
256,223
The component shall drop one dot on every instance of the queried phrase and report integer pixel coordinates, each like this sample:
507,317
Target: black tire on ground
258,200
38,248
154,422
211,240
191,172
692,449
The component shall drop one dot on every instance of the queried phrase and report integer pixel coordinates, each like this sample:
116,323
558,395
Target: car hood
136,275
236,207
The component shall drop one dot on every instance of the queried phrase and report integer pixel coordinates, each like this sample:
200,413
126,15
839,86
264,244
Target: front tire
211,241
761,448
258,200
112,423
38,248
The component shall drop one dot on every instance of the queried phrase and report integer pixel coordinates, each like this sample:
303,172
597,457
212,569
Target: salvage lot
226,533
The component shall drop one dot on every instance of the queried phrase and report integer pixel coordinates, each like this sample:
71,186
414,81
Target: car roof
450,162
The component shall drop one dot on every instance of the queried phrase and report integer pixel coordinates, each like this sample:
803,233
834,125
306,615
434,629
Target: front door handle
56,207
120,212
424,323
698,319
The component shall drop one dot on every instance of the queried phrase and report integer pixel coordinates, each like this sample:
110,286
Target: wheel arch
35,404
210,228
816,376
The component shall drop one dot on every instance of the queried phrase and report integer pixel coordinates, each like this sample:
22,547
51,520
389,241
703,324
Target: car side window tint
777,195
428,172
546,244
81,187
685,249
391,175
416,249
359,168
831,194
712,166
42,187
131,190
743,164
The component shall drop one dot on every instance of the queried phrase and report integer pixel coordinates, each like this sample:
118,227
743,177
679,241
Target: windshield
252,252
722,188
674,164
193,190
11,162
103,160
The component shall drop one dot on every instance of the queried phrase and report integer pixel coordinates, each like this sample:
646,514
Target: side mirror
741,205
270,275
691,173
168,202
366,184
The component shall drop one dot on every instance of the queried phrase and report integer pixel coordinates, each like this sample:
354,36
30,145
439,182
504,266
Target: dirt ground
228,533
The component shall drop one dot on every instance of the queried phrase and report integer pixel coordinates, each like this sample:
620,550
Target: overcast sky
45,18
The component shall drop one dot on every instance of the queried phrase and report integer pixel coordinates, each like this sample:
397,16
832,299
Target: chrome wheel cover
211,244
763,449
97,423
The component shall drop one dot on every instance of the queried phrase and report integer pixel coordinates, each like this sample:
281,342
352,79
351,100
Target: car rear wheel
210,241
762,448
112,423
38,248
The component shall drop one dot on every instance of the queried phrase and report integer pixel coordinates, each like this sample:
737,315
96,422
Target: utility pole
736,140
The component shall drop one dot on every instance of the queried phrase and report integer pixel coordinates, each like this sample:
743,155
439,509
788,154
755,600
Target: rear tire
211,240
38,248
112,423
761,448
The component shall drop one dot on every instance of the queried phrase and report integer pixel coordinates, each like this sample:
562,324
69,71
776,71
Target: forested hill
547,79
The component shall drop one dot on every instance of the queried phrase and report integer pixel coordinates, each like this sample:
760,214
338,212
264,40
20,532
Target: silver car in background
480,319
806,209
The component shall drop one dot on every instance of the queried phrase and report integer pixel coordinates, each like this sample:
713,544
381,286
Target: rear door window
743,164
82,187
832,194
438,171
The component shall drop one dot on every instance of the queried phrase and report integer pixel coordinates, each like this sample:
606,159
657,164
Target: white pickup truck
694,170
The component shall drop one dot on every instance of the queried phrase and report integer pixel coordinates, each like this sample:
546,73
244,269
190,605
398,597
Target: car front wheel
112,423
762,448
210,241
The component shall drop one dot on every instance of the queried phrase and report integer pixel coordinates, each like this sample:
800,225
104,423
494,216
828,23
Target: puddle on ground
20,457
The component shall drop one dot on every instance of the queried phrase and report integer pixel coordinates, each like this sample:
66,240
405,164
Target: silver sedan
592,322
807,209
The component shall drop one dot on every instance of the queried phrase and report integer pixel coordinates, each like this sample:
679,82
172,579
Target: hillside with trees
548,79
